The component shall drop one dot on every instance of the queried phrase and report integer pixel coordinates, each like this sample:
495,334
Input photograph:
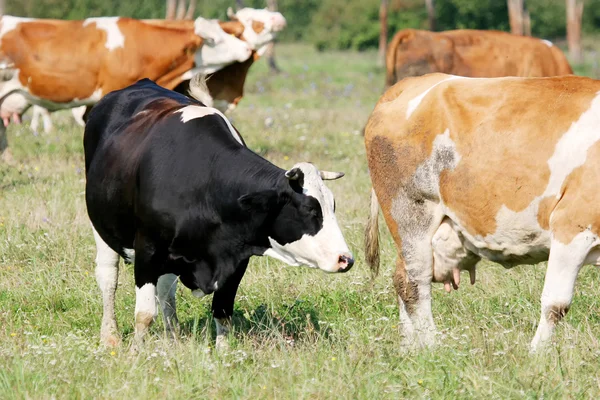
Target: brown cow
497,168
471,53
53,71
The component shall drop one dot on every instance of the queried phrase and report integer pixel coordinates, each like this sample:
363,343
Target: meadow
299,333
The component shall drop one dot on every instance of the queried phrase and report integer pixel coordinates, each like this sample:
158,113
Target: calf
500,168
172,187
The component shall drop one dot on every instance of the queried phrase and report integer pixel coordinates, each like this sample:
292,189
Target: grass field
299,333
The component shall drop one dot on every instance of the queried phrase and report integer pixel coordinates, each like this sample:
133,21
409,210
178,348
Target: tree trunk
180,10
383,30
171,5
239,4
515,16
431,14
2,6
526,24
272,6
574,15
190,11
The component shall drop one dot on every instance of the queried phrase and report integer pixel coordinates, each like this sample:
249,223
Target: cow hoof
222,344
7,157
111,341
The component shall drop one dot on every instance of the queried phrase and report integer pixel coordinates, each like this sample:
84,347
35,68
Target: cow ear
294,174
258,201
231,14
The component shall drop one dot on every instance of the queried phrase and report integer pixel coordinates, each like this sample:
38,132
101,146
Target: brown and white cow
55,71
256,27
472,53
498,168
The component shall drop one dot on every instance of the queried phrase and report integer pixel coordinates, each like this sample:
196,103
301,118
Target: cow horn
294,174
330,176
231,14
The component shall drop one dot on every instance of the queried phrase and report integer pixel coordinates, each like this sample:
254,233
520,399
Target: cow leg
417,222
107,275
4,152
35,118
146,278
47,120
222,305
167,286
564,264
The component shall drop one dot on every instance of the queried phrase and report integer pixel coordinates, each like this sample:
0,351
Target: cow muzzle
345,262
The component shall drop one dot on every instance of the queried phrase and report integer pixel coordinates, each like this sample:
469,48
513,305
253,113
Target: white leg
107,275
35,118
145,310
47,121
563,266
166,288
78,115
413,285
223,328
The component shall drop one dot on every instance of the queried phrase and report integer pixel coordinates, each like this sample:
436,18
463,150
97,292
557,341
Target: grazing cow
226,85
495,168
110,53
172,187
473,53
258,28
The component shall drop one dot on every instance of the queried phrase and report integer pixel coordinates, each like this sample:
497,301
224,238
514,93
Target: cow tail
372,236
199,90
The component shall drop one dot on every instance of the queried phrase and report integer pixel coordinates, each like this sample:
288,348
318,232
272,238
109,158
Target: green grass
299,333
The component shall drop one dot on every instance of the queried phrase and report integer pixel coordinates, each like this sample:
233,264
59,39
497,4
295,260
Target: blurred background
337,24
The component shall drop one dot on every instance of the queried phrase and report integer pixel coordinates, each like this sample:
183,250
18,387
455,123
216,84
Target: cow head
219,48
419,53
304,230
260,26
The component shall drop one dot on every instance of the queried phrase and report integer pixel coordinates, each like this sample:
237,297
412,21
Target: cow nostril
349,261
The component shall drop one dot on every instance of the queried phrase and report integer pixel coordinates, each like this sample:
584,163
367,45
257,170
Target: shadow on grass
292,322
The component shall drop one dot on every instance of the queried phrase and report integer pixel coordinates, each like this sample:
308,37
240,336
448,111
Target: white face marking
324,249
192,112
414,103
114,36
547,42
219,48
272,22
8,23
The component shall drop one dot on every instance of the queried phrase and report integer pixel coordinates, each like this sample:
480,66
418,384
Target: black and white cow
172,187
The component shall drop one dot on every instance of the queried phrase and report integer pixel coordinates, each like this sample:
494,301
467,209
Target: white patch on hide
414,103
114,36
192,112
570,151
8,23
547,43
